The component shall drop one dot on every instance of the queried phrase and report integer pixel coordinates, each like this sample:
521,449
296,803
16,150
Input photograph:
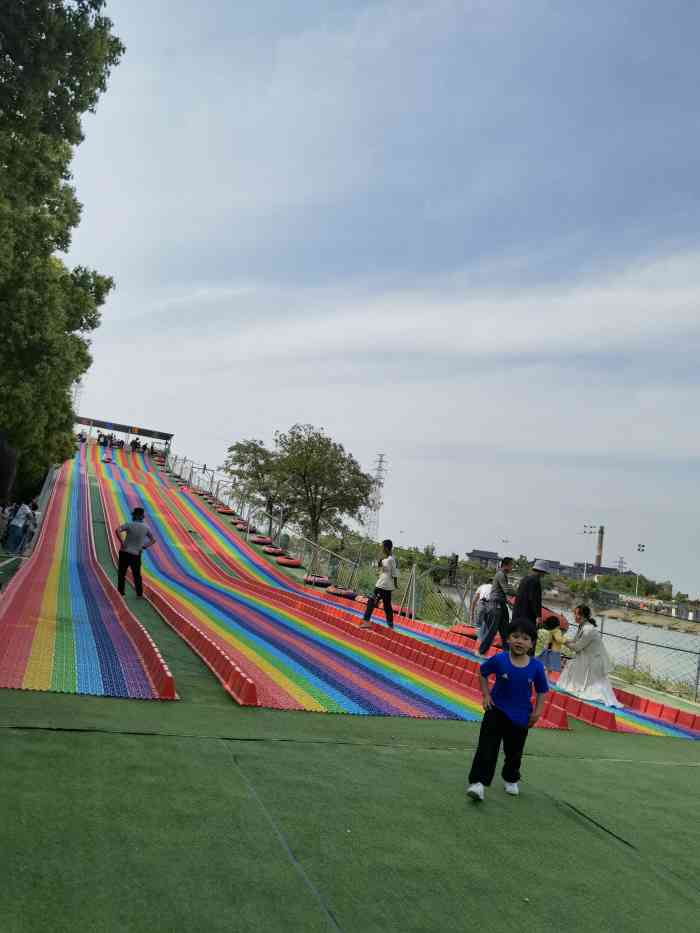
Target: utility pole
641,548
588,529
599,547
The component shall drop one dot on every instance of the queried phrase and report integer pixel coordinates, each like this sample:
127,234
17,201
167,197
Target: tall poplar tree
55,57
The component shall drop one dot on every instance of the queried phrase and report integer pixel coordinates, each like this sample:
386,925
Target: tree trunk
8,468
314,528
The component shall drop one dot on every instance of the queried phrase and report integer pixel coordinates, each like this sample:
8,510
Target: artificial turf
125,815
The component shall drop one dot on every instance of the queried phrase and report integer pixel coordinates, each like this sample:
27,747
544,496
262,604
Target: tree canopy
55,57
326,483
307,475
257,473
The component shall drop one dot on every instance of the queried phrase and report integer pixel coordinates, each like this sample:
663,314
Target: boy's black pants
496,727
385,597
127,560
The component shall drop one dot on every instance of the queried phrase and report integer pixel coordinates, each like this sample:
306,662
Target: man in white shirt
137,538
479,607
384,587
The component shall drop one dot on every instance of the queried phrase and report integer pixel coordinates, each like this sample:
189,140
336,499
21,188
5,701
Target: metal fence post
636,651
413,592
697,680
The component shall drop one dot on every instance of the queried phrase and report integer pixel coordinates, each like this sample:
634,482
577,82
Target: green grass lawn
125,815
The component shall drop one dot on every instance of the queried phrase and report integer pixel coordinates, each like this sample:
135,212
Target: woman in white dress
586,675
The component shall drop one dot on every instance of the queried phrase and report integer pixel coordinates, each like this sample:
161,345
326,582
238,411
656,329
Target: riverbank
637,616
653,620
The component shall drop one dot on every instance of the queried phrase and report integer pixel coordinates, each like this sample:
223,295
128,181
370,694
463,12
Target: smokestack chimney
599,548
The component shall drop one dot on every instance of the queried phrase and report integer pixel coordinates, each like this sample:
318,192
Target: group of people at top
112,442
18,525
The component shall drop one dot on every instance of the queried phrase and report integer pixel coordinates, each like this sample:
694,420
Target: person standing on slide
384,587
497,619
478,611
137,537
528,599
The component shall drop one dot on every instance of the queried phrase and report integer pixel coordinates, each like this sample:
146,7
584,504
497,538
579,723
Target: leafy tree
584,589
257,473
478,573
55,56
522,564
325,483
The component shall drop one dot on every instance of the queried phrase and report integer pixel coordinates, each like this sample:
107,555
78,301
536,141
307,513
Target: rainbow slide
243,562
63,627
267,641
638,715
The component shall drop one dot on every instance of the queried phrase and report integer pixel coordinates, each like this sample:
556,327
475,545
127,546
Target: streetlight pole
641,548
587,530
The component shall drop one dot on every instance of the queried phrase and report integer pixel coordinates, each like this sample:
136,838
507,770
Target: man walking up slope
137,537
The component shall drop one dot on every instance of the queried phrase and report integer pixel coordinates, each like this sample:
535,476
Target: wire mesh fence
427,599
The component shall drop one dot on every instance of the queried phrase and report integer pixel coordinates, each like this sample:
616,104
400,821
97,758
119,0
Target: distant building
486,559
577,570
601,571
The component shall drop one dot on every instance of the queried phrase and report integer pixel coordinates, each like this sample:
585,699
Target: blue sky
462,233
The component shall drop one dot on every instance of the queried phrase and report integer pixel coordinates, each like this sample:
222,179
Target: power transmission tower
370,518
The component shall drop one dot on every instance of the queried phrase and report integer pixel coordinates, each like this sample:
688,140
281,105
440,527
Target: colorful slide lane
296,658
244,562
642,718
63,627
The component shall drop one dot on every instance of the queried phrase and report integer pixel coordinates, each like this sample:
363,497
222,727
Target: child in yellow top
551,656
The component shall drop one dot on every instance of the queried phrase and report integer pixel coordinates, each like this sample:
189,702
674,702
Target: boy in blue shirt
508,712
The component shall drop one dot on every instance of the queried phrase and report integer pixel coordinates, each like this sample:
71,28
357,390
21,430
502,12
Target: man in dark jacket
528,600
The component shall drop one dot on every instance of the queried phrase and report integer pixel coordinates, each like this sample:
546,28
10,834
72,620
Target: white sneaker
476,791
512,789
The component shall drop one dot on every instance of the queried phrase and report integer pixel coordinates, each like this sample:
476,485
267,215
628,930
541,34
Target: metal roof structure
124,428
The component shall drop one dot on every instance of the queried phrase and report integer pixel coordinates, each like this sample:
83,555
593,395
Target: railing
670,667
315,559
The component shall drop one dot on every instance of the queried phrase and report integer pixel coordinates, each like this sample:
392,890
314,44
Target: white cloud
488,183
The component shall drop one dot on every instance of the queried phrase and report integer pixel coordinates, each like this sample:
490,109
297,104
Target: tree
584,589
324,482
55,56
522,564
8,468
256,472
